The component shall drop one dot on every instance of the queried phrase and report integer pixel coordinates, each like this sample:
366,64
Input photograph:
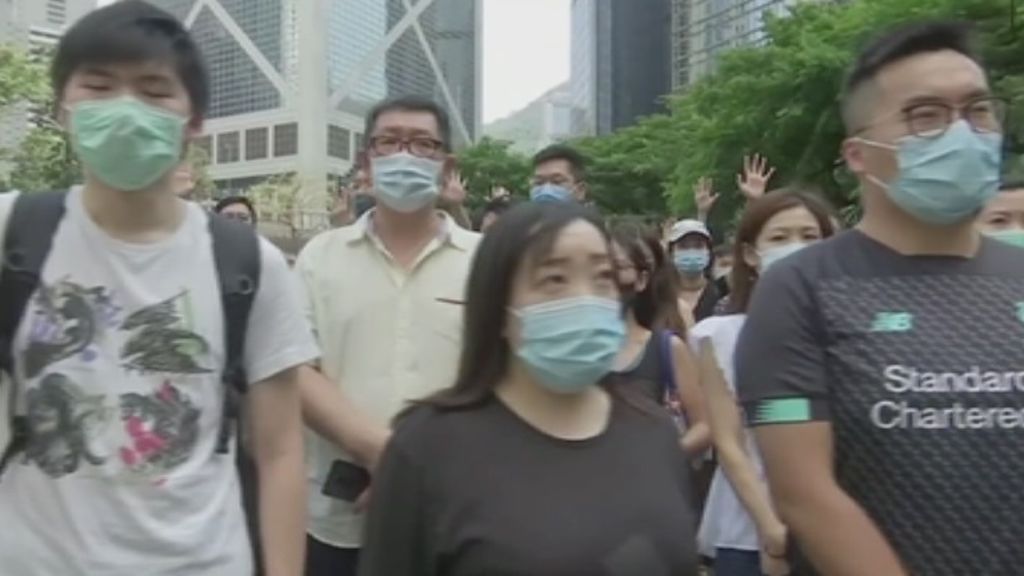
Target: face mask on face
406,183
945,180
691,261
126,144
551,193
568,345
772,255
1014,237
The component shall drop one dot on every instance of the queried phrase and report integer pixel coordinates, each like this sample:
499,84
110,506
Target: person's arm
728,434
697,437
276,424
782,381
397,537
834,532
278,342
329,413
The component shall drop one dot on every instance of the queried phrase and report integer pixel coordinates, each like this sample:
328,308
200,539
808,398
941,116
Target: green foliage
491,164
22,77
277,199
44,161
203,187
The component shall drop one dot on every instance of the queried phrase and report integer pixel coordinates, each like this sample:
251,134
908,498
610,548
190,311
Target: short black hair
132,31
231,201
897,44
411,104
497,206
577,162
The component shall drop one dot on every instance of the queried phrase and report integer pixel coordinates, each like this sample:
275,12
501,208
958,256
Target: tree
44,161
277,199
490,164
22,77
198,160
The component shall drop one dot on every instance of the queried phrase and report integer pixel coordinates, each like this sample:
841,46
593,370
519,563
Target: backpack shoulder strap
668,369
31,226
236,253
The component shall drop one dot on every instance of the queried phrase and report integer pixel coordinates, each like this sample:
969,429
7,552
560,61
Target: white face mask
406,183
772,255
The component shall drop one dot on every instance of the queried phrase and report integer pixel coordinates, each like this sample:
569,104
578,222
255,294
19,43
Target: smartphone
346,481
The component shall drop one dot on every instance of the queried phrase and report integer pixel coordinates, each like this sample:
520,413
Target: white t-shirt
726,522
119,356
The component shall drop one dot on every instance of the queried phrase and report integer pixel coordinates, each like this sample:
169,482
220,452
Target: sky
526,52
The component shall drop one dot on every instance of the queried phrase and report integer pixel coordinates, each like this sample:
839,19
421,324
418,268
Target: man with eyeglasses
884,369
385,301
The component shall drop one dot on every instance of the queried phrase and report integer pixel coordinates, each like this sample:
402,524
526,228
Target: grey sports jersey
918,362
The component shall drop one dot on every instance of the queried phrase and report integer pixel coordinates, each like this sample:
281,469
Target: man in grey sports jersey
884,368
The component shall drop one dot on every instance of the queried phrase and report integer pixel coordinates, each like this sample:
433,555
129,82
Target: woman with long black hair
528,465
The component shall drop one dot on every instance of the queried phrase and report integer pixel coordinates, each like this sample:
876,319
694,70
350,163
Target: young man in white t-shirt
119,353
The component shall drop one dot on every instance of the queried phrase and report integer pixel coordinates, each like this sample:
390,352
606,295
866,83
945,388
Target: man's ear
580,192
194,128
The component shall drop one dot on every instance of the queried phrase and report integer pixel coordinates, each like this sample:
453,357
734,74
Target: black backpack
31,226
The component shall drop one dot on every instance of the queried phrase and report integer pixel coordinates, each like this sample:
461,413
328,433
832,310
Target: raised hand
500,193
753,182
704,197
454,190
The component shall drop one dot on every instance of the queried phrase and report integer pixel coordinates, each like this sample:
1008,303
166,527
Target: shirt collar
450,232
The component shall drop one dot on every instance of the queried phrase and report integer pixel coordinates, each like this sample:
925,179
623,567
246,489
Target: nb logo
894,322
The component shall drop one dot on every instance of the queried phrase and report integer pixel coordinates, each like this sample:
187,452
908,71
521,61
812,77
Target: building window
257,143
228,148
339,142
286,139
56,12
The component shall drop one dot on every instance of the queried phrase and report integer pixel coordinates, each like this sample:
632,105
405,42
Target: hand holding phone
346,481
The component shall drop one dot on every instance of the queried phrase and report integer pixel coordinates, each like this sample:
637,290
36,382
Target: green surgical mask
1015,236
127,144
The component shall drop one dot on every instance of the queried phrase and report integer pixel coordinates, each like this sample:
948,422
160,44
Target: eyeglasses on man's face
933,119
422,146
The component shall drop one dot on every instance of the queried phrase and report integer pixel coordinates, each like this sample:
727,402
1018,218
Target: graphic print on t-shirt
161,342
67,321
146,424
61,417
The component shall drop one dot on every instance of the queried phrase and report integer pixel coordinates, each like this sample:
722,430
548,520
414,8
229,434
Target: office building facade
32,25
293,80
708,28
620,62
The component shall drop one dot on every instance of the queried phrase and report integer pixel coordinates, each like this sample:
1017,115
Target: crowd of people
543,395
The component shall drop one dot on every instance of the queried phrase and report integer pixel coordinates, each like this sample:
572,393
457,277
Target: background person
559,175
655,363
1003,216
237,208
527,465
740,529
690,245
385,296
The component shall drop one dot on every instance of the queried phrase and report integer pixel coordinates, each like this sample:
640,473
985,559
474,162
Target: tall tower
292,80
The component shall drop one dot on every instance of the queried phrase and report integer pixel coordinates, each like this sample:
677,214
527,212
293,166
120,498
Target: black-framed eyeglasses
932,119
421,146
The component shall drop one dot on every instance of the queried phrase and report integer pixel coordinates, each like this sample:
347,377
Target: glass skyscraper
620,62
292,80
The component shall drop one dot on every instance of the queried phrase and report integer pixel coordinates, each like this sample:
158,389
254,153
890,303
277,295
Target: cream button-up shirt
388,335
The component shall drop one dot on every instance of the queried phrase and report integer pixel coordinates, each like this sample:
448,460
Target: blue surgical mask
1015,236
772,255
551,193
691,260
948,179
570,344
406,183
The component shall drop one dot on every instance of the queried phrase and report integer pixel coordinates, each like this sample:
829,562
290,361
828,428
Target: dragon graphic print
78,337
